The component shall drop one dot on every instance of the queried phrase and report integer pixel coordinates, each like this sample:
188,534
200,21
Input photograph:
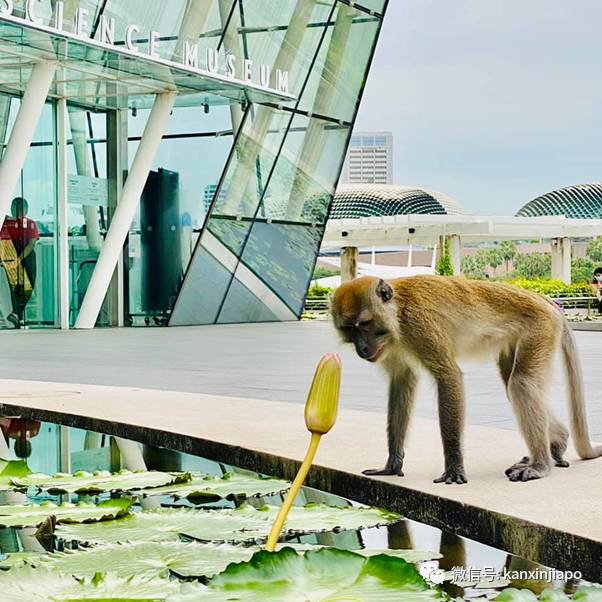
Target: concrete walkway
264,361
556,521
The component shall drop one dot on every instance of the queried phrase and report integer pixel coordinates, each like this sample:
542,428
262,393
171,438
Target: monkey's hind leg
527,390
558,444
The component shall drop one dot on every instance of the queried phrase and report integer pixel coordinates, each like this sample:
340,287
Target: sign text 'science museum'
250,73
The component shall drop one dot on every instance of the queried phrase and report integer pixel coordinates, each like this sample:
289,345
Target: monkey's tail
579,427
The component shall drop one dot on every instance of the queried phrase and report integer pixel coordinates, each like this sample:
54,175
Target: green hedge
553,288
319,292
550,288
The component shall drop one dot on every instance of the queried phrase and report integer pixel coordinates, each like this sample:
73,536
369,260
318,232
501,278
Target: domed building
582,201
369,200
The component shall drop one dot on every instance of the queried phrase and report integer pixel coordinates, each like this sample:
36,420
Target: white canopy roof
426,229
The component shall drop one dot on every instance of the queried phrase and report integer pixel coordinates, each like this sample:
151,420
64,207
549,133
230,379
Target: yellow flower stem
293,492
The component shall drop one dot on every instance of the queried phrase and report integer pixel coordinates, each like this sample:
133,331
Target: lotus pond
190,529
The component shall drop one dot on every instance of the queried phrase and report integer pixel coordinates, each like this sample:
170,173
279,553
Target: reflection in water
92,451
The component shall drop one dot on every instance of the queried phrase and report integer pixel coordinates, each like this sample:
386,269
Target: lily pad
145,559
411,556
11,470
35,514
244,524
325,575
34,585
203,488
583,594
21,559
83,482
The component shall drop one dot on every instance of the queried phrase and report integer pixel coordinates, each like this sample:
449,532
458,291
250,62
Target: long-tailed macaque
431,322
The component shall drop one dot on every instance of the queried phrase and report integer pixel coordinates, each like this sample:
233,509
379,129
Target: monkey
429,323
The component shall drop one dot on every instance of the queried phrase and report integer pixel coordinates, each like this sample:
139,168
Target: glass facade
233,212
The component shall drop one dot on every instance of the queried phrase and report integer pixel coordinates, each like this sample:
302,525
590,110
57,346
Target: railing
316,307
588,303
321,305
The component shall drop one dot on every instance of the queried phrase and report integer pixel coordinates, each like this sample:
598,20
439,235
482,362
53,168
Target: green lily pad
204,488
411,556
244,524
21,559
37,585
588,594
145,559
325,575
83,482
35,514
583,594
11,470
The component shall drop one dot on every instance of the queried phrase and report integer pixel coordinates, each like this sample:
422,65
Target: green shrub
444,265
533,266
553,288
324,272
582,269
319,292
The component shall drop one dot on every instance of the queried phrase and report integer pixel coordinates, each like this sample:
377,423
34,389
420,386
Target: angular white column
23,130
63,215
561,259
349,257
455,252
126,210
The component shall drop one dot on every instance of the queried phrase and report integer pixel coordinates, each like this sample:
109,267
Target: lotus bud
323,398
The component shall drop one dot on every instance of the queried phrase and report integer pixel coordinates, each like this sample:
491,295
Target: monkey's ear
384,290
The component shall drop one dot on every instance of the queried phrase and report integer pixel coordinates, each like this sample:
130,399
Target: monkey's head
364,313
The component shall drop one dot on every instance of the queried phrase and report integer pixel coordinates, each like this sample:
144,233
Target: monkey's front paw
453,475
387,470
526,473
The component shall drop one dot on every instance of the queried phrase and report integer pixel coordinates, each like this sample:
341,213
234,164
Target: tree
494,258
582,269
507,249
444,265
594,250
534,265
481,259
471,268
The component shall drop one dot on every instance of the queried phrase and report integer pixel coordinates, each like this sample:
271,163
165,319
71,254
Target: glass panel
88,194
206,284
255,154
339,74
283,256
267,221
269,39
243,306
303,181
28,235
376,5
227,228
173,207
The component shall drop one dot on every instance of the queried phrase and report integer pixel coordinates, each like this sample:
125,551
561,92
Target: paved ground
542,520
264,361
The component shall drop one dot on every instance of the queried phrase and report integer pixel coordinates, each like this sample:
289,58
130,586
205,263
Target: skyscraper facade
369,159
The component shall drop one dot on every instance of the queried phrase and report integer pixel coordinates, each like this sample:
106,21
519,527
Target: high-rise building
369,159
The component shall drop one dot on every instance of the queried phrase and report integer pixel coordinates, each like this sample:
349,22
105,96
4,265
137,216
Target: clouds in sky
491,101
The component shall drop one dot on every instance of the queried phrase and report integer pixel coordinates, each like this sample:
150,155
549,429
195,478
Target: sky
493,102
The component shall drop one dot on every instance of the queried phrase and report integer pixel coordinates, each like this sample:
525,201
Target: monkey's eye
364,323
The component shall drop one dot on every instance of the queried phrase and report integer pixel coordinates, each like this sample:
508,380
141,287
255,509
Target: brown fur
432,322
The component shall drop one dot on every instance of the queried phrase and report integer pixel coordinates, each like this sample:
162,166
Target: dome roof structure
369,200
582,201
